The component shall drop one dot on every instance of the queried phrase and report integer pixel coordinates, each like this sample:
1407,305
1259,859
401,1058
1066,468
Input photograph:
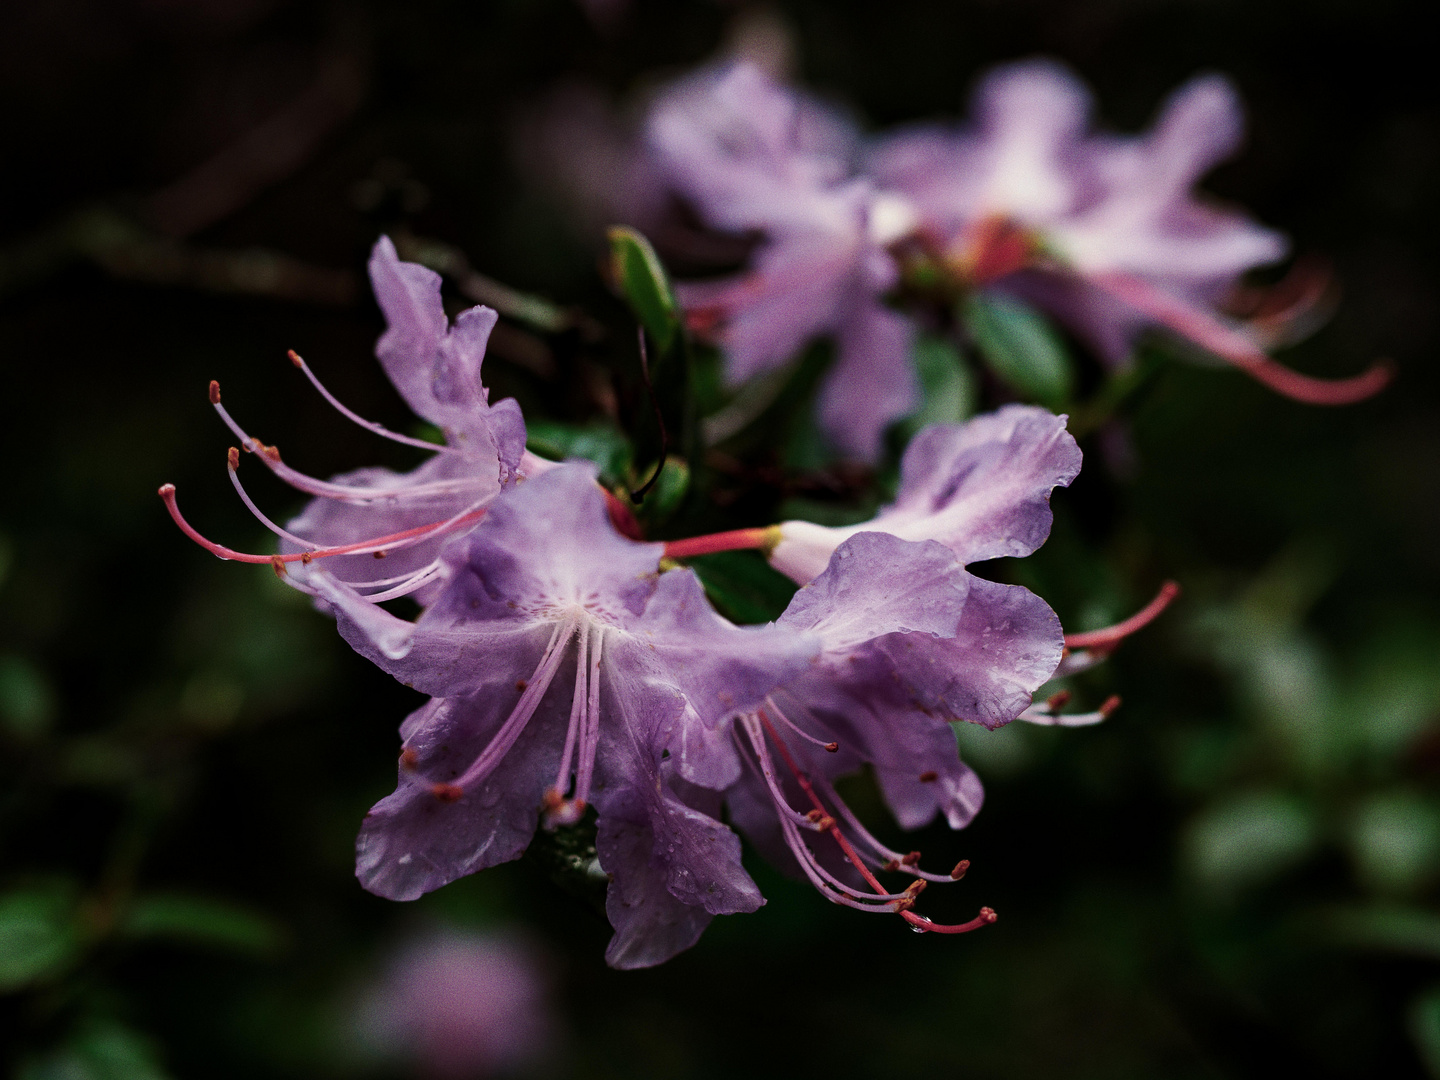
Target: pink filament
167,493
1210,333
1111,636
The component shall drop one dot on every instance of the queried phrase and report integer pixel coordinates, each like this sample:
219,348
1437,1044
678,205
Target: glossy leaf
637,271
38,935
1020,347
199,920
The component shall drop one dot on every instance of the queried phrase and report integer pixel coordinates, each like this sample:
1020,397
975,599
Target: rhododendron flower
563,668
361,516
910,643
1104,232
753,156
981,488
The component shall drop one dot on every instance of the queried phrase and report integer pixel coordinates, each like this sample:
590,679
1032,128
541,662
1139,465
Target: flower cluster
1103,233
571,670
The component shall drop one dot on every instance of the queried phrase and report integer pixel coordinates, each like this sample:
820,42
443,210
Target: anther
270,452
832,746
929,776
233,457
295,358
214,392
447,792
380,554
278,565
1056,702
552,801
409,759
960,868
910,860
891,865
306,558
916,887
521,684
1109,705
988,915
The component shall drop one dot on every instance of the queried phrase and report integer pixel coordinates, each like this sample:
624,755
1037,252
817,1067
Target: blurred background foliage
1239,871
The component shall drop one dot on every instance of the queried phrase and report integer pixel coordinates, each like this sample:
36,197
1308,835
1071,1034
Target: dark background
1236,873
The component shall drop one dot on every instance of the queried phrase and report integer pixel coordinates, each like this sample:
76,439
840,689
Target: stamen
885,858
234,469
525,708
369,425
829,747
400,539
902,905
1229,343
423,576
922,925
1044,717
586,767
777,795
578,717
736,540
324,488
1111,636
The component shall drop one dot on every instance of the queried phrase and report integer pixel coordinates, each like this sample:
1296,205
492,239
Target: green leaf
199,920
1424,1017
599,443
947,385
1386,928
637,271
668,492
27,701
98,1050
1020,347
1248,840
745,587
39,935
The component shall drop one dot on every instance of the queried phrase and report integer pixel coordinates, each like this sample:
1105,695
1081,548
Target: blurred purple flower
1104,232
461,1005
754,157
654,673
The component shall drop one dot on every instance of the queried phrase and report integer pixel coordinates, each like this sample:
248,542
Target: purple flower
457,1005
981,488
911,642
1104,232
565,670
754,157
359,517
